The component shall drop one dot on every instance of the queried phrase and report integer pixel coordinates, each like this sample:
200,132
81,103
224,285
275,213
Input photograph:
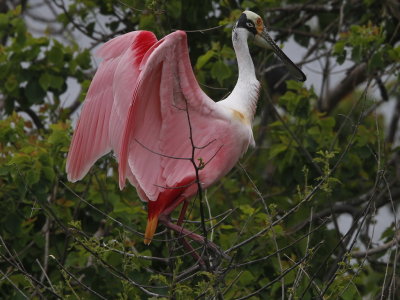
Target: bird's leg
184,242
204,242
183,212
193,253
165,220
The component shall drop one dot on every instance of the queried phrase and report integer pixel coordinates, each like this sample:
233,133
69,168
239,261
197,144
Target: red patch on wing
167,197
142,43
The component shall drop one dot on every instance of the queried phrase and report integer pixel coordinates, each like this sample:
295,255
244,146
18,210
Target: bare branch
379,249
357,75
77,280
303,7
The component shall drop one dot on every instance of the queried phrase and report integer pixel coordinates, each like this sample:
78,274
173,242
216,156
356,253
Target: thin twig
77,279
45,274
286,271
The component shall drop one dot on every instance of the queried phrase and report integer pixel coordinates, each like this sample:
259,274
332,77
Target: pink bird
145,105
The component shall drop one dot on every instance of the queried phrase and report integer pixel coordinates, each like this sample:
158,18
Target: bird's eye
249,24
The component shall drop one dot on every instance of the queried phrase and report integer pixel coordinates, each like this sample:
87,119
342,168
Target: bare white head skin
254,25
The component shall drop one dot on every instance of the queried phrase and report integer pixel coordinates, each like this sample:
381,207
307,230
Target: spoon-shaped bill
263,39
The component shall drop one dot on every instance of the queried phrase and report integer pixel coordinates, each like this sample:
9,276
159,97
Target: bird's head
253,26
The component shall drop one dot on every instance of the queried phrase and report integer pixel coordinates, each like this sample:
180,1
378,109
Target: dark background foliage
301,215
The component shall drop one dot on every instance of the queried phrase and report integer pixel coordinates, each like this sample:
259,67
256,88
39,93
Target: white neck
245,94
245,63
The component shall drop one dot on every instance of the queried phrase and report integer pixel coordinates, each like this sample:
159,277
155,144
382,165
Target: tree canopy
309,213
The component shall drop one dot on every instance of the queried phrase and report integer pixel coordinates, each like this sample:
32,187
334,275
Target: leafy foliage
320,156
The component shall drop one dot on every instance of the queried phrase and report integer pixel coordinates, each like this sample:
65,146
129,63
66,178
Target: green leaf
20,30
45,80
302,108
48,173
376,61
40,41
11,83
19,159
357,53
247,209
350,292
294,85
276,149
83,60
57,82
4,21
338,48
248,4
34,92
342,57
327,123
147,22
33,175
174,8
12,223
59,135
203,59
56,55
220,71
227,52
394,53
246,278
39,239
17,11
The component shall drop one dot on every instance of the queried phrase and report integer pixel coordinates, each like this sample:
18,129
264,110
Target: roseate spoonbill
145,104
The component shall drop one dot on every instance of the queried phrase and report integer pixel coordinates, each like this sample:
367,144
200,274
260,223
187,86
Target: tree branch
372,251
357,75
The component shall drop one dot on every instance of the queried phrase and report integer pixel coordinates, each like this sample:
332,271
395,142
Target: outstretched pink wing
105,109
145,104
168,107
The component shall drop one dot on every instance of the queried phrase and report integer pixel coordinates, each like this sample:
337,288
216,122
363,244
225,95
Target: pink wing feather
107,101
